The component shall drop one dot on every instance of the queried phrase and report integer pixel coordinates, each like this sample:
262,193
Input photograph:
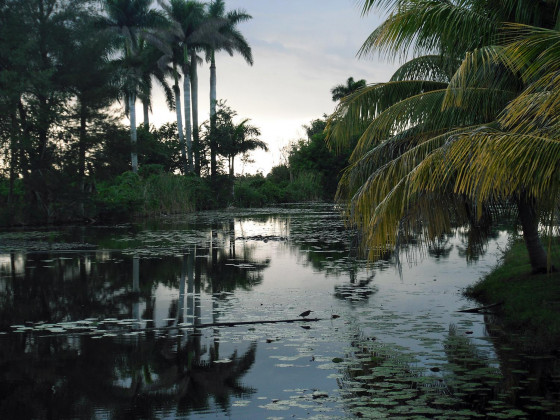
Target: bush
306,186
248,191
258,191
168,194
121,198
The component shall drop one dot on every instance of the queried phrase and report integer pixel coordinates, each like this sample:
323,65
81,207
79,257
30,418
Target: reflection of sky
301,49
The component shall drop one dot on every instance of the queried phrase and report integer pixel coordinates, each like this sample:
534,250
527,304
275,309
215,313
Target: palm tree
186,18
457,134
153,66
190,30
232,41
244,139
340,91
133,21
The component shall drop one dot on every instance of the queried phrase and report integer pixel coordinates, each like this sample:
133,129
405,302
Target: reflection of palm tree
136,286
355,291
219,380
440,247
193,380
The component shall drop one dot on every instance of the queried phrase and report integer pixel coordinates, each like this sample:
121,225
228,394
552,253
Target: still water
171,319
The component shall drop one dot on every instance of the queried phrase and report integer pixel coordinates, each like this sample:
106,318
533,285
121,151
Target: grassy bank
531,303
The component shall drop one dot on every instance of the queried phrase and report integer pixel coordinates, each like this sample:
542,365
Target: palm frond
355,112
477,107
536,109
482,67
489,165
427,67
530,50
425,27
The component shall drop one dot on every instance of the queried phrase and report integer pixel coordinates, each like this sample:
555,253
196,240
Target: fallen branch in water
181,326
481,309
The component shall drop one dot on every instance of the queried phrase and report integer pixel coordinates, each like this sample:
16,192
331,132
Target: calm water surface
142,322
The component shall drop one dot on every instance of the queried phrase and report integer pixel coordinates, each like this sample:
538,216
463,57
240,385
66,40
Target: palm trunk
213,96
13,156
194,100
177,93
43,129
24,141
187,102
530,225
212,117
82,157
133,136
232,176
146,108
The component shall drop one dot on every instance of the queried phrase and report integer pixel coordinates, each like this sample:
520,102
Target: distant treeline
71,70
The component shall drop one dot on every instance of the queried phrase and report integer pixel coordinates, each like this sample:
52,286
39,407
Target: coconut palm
232,41
340,91
133,21
450,138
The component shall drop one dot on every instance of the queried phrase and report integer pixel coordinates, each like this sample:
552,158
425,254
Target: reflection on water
109,323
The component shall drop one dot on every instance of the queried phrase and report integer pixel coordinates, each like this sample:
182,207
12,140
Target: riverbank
531,303
153,192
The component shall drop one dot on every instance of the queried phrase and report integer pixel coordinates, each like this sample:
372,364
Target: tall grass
168,194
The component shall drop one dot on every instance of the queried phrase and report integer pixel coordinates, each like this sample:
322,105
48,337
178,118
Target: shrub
121,198
306,186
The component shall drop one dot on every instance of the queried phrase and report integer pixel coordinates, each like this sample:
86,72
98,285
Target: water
163,320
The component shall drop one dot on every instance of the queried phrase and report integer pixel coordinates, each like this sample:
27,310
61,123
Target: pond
199,317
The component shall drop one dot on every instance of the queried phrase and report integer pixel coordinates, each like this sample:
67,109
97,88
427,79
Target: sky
301,50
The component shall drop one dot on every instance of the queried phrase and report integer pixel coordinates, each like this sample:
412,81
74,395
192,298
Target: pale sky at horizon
301,49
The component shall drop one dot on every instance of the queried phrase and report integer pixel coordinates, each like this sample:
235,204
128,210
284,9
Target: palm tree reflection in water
183,369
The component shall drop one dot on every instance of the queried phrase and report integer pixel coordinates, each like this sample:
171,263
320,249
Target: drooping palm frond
536,109
368,5
530,50
488,165
356,111
403,151
427,67
462,151
482,67
426,27
479,105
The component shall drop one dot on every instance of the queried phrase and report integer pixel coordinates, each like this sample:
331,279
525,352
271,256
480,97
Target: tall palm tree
340,91
232,41
190,30
456,135
133,21
186,18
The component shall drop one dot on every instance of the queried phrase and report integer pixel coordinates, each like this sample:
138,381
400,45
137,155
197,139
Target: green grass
531,301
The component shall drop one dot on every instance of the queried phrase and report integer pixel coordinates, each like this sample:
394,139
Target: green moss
531,302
